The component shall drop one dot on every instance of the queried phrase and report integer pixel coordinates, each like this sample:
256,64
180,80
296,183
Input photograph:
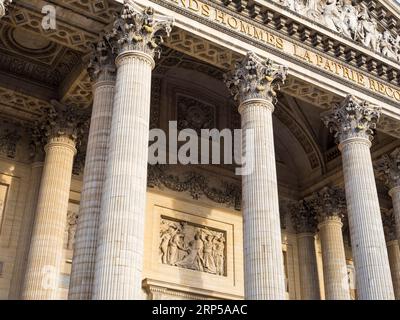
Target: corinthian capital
139,29
388,167
63,121
3,7
353,118
102,62
389,224
329,203
255,78
304,217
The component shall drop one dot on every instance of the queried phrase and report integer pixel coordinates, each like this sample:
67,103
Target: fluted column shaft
395,194
46,252
119,259
254,82
394,260
366,230
83,263
308,267
334,259
264,273
25,236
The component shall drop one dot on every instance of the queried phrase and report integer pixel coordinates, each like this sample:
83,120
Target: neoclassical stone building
84,216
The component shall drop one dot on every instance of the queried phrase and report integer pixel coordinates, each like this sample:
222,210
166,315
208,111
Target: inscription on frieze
258,33
190,246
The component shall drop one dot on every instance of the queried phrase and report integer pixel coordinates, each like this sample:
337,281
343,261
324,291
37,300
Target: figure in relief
350,19
192,247
194,260
313,9
295,5
368,30
176,248
208,256
219,251
166,237
387,45
332,16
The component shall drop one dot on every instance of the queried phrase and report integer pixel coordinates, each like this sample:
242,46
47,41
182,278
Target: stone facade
84,215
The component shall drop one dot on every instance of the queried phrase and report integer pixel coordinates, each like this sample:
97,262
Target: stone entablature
269,25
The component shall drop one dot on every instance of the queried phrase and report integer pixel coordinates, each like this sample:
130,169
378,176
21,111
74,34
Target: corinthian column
119,257
3,7
330,204
102,73
353,121
389,167
392,243
253,83
305,224
46,252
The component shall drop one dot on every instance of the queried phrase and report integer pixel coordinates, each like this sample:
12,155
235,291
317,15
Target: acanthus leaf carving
352,118
61,120
389,225
255,78
139,30
329,203
388,167
102,62
304,217
8,143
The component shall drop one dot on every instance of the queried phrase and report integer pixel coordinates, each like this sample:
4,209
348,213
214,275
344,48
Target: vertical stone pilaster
329,205
393,249
305,224
353,121
102,71
253,83
46,250
119,256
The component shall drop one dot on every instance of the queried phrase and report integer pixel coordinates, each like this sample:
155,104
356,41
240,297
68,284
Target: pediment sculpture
351,20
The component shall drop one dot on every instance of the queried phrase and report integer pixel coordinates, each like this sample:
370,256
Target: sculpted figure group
350,20
192,247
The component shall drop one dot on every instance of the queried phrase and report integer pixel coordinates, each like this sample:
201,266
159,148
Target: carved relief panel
192,249
190,246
